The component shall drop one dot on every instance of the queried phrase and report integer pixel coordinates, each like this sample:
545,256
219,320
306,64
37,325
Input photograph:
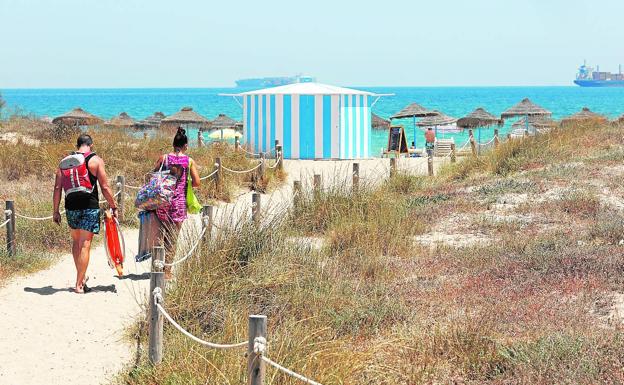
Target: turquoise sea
453,101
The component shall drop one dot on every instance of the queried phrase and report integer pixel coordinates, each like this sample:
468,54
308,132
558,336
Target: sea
453,101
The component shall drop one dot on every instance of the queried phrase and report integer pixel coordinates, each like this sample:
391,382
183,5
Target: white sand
49,335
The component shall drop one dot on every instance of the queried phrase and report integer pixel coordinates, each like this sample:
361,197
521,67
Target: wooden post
9,215
508,136
121,191
200,138
430,165
207,221
157,280
453,153
356,178
316,185
255,366
276,144
280,155
392,167
255,208
218,176
496,140
296,193
262,167
236,144
473,145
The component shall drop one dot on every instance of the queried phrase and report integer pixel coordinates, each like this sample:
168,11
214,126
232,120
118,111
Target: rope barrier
209,175
4,223
250,153
189,335
260,349
279,158
132,187
36,218
199,238
242,171
114,196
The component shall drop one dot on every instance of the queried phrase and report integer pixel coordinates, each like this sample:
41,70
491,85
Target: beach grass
504,269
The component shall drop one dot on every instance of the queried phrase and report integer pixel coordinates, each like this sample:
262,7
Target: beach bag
192,203
158,191
75,174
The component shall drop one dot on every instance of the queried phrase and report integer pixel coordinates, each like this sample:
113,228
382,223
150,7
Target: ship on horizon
273,81
587,77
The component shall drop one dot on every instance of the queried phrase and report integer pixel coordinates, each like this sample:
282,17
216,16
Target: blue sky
184,43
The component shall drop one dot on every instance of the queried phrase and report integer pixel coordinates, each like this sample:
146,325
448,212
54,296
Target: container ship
273,81
587,77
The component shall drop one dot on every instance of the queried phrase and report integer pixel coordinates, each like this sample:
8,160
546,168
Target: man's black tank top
84,200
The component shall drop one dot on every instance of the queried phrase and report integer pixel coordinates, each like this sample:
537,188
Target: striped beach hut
311,120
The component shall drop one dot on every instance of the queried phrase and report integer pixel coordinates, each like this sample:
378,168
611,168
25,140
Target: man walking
79,175
429,141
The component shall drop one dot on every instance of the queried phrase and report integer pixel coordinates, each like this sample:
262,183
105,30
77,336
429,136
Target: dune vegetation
503,269
29,154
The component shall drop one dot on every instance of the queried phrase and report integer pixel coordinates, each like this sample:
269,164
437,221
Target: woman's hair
180,140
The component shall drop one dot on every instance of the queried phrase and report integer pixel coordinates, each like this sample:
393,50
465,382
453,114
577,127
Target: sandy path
51,335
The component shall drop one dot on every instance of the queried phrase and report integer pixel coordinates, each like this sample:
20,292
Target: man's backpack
76,173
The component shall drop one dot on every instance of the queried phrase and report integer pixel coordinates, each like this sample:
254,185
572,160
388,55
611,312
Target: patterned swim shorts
87,219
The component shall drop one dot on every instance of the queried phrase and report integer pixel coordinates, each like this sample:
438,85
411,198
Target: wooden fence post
276,144
121,191
200,138
280,155
9,215
207,221
356,178
393,167
218,176
496,140
296,193
453,153
430,165
255,366
236,144
473,145
255,208
316,185
157,281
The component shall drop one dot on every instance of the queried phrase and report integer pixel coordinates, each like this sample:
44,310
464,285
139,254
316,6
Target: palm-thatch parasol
186,116
379,123
437,120
122,120
413,111
526,108
538,123
477,119
152,121
583,115
77,117
220,124
225,133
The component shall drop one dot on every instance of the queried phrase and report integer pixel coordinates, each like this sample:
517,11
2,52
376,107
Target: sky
203,43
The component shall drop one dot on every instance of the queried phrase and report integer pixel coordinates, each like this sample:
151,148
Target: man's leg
84,244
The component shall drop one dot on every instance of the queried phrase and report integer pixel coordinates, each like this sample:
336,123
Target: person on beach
429,141
79,175
172,216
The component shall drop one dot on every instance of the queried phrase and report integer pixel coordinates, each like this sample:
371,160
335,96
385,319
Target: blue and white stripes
309,126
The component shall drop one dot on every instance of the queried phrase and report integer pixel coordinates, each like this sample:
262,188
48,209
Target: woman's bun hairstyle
180,140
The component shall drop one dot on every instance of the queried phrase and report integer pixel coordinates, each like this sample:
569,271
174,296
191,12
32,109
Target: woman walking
173,215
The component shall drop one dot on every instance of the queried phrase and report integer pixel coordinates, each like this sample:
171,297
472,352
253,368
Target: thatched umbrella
152,121
77,117
413,111
536,122
123,120
221,123
584,115
525,108
479,118
186,116
379,123
225,133
436,120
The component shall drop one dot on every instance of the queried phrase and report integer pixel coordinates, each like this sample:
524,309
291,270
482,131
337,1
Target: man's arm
56,197
100,172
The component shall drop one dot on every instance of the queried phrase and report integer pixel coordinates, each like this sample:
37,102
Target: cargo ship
587,77
273,81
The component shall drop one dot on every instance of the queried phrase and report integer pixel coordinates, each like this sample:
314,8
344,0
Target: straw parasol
151,121
479,118
542,123
222,122
413,111
77,117
185,116
584,115
225,133
379,123
123,120
436,120
525,108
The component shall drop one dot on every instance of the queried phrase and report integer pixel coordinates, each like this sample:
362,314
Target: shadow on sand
49,290
134,277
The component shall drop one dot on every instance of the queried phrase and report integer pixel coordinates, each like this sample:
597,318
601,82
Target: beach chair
443,147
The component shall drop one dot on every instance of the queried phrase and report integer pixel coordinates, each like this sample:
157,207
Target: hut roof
436,120
306,88
525,107
151,121
77,116
123,120
223,121
413,110
584,114
186,116
537,122
479,118
379,122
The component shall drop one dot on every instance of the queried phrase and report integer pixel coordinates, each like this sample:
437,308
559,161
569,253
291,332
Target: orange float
113,246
